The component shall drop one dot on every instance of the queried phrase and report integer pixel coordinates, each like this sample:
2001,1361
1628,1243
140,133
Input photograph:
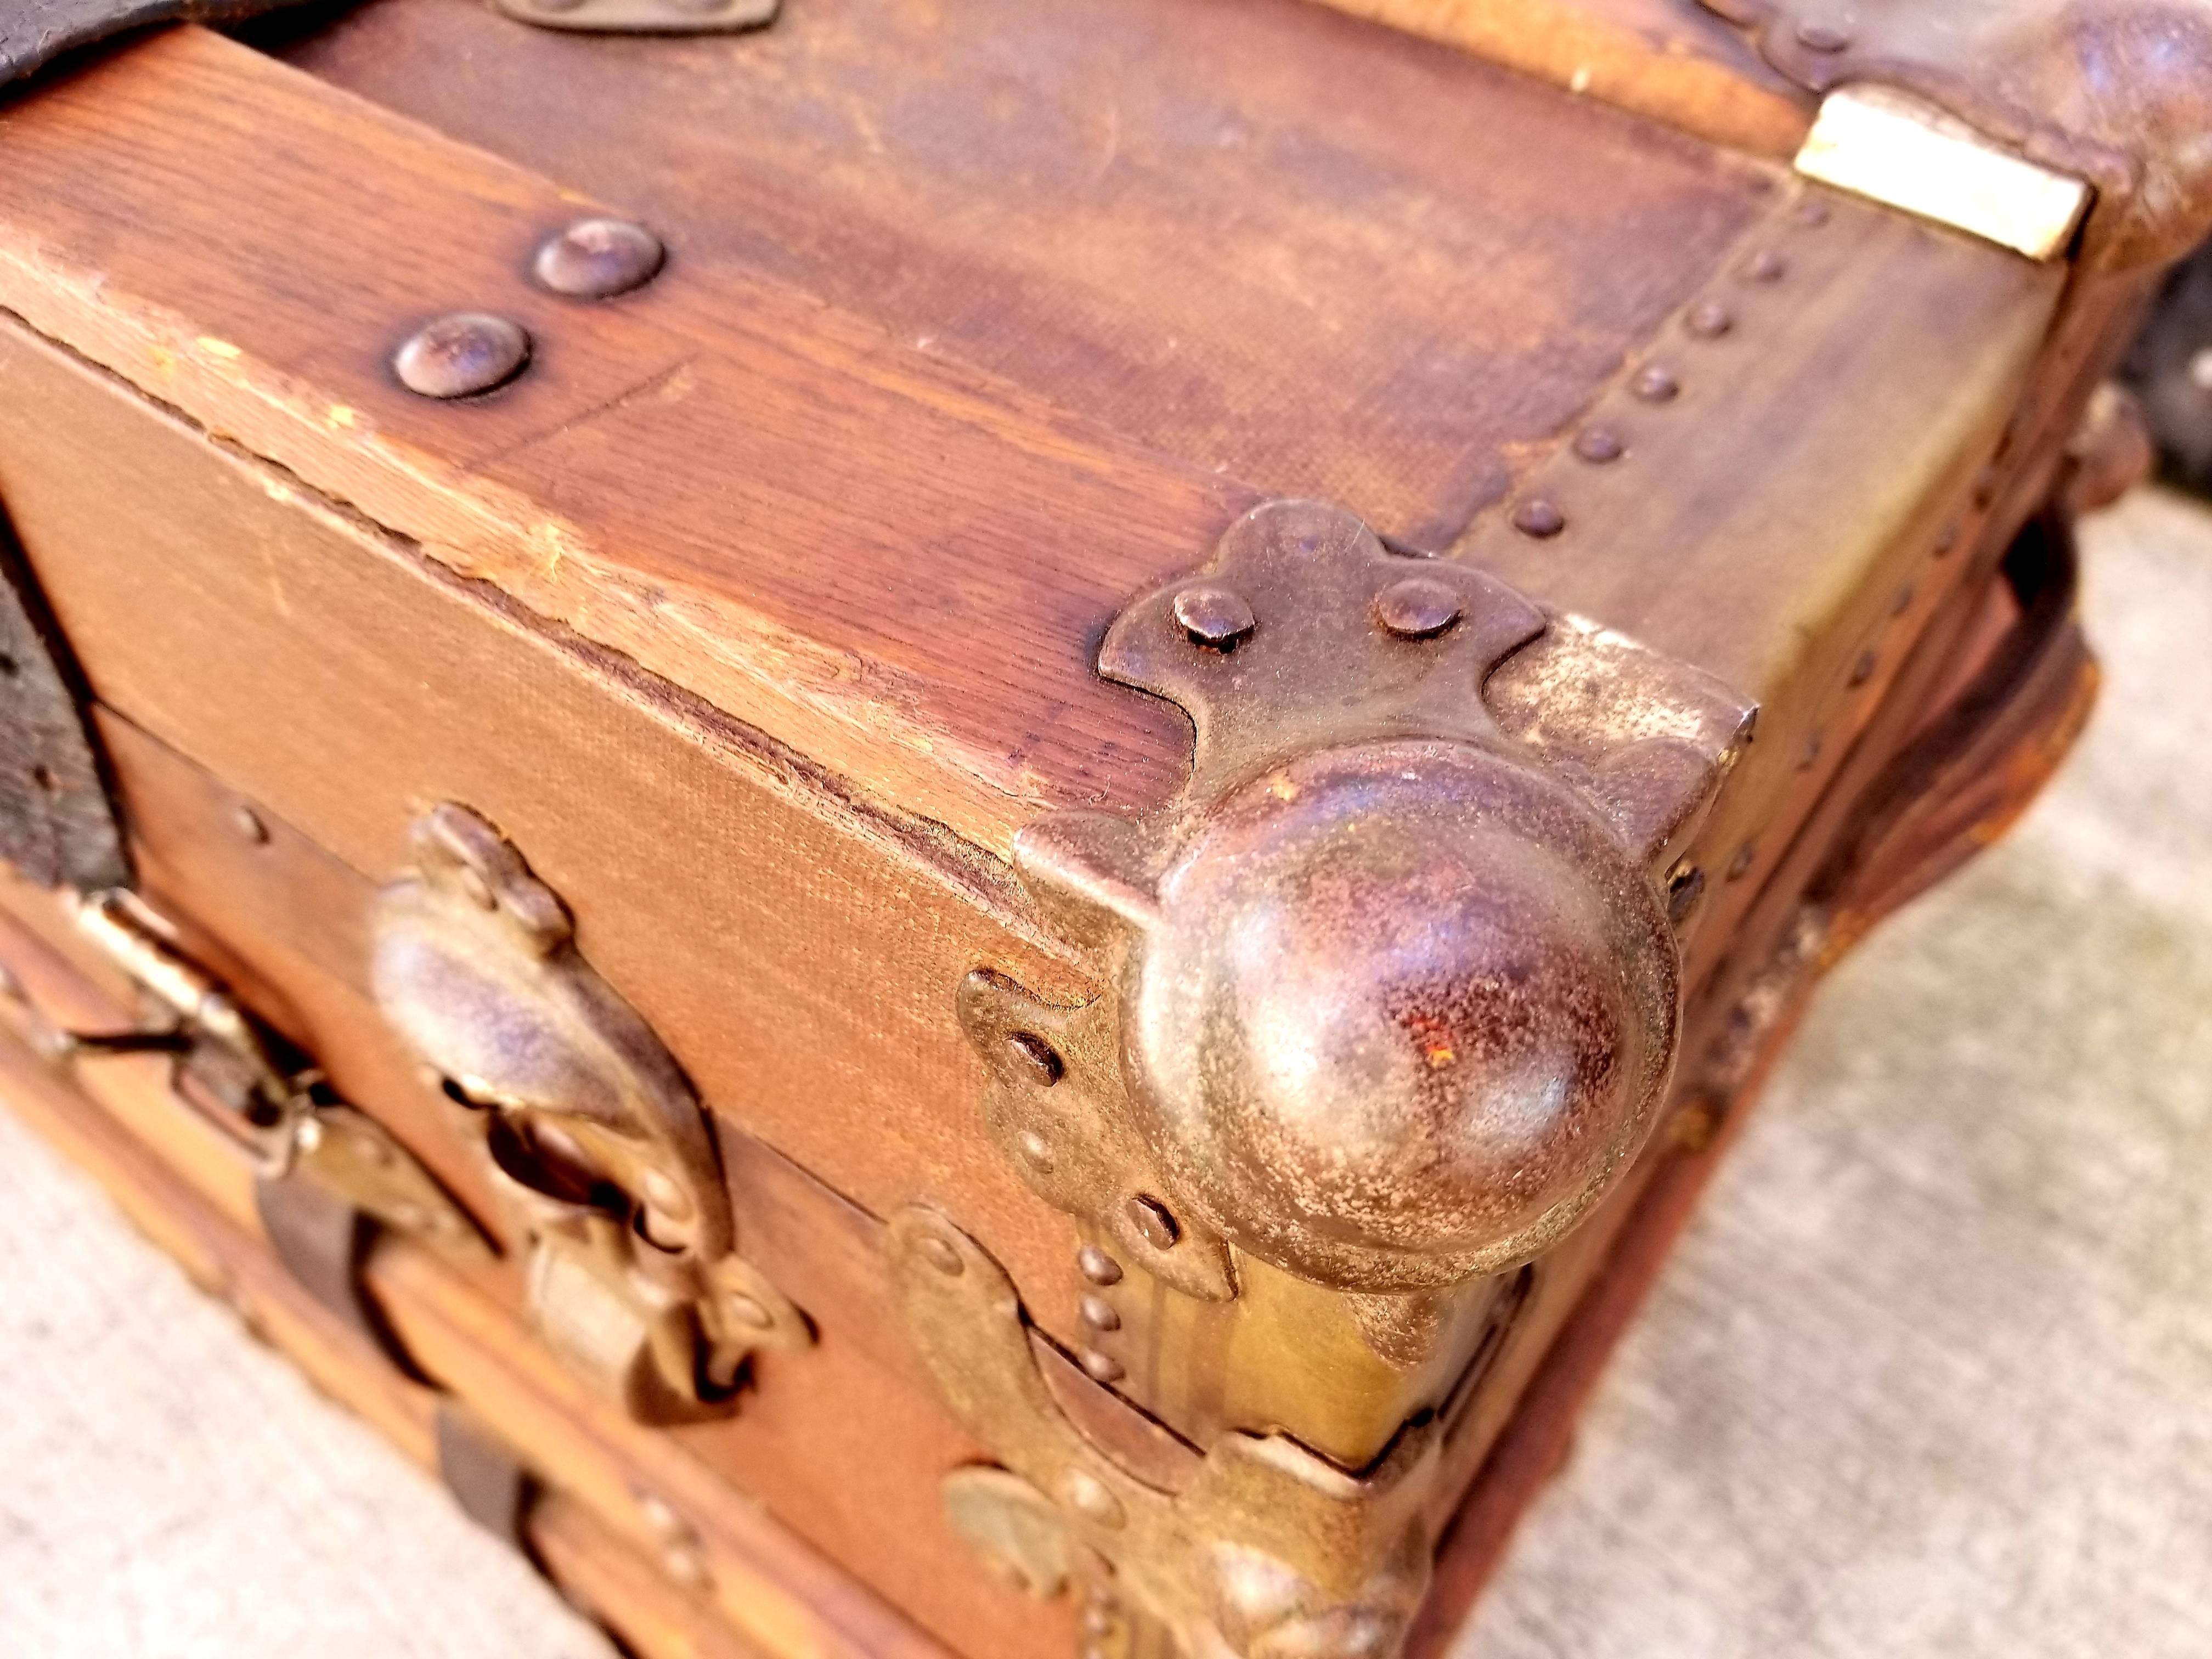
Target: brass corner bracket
1395,985
590,1129
1264,1549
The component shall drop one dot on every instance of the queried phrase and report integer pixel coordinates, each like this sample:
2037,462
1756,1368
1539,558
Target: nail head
1419,608
1540,518
1098,1266
1656,384
461,356
1597,444
598,258
1100,1314
1213,617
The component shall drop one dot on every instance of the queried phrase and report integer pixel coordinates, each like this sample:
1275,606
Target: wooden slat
1665,59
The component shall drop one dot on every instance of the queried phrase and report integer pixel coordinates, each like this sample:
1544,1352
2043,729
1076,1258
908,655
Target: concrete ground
1932,1373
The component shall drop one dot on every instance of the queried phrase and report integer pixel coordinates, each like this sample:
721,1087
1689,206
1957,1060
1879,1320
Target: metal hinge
588,1128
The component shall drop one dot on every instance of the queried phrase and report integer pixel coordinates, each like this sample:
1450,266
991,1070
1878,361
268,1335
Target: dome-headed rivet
248,824
1656,384
1767,266
1213,617
1540,518
1102,1367
1708,319
940,1255
1824,37
1154,1220
1863,670
1811,214
460,355
1098,1266
1596,445
1100,1314
598,258
1419,608
1035,1151
1740,866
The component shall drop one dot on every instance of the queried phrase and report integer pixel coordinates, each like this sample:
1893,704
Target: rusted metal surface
57,821
599,258
1268,1549
1396,985
591,1129
461,356
2119,93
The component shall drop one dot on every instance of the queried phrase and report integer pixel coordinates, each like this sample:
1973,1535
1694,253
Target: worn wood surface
1317,256
1665,59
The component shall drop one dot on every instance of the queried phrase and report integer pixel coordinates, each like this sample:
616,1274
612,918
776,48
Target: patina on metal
590,1129
1265,1551
58,825
1396,986
2118,93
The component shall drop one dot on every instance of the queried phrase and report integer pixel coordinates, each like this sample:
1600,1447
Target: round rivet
462,354
1811,214
1863,670
1035,1059
1102,1367
1035,1151
1596,445
1767,266
1419,608
1683,889
2200,370
1540,518
1823,37
1903,602
1100,1314
1154,1220
598,258
249,824
1708,319
1098,1266
1740,866
747,1311
1654,385
666,1195
685,1566
940,1255
1948,540
1810,754
1213,617
1086,1494
1098,1619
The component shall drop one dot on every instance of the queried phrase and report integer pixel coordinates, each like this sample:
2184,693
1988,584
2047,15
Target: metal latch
589,1128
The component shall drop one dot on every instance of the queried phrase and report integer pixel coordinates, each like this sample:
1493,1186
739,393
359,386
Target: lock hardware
590,1129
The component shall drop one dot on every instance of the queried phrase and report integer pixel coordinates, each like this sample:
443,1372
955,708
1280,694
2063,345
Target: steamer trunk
1056,837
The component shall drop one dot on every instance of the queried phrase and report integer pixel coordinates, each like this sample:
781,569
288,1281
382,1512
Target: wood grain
1659,58
1322,257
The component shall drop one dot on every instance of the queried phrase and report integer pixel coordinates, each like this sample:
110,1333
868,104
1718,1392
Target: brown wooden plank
891,563
1323,257
1665,59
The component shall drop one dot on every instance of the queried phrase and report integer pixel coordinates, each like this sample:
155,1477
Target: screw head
1598,445
1419,608
1213,617
1098,1266
1540,518
249,825
1656,384
1154,1221
1100,1314
598,258
940,1255
1102,1367
1708,319
461,356
1087,1494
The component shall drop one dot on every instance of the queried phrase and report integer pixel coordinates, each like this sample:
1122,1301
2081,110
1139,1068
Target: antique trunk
956,826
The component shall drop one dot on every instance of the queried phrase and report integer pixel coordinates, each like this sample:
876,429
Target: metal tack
1102,1367
1709,320
1419,608
598,258
1598,445
461,356
1654,385
1098,1266
1100,1314
1213,617
1540,518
